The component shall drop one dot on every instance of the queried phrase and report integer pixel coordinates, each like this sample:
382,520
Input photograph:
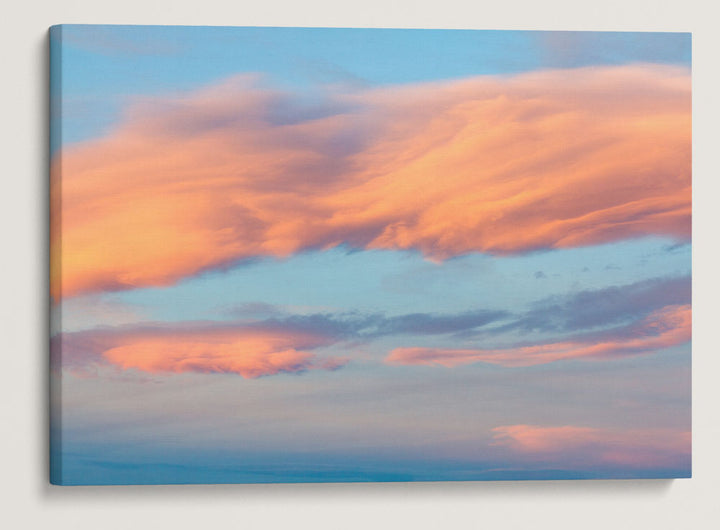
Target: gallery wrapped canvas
337,255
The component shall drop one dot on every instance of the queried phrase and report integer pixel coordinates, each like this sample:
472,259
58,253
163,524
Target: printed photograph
285,255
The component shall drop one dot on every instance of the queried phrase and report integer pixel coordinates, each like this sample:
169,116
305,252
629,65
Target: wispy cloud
277,342
590,446
355,325
501,165
592,308
663,328
646,315
576,312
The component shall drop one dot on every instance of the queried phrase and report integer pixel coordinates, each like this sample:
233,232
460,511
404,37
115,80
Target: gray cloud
356,325
602,307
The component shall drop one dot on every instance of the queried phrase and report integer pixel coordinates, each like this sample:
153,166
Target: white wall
26,501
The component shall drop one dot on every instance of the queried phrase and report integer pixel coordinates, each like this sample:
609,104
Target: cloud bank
501,165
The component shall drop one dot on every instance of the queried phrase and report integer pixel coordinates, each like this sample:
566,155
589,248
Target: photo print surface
342,255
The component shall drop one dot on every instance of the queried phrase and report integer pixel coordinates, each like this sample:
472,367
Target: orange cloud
666,327
638,448
246,351
501,165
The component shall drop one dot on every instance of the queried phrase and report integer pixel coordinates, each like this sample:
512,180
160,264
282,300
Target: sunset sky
303,255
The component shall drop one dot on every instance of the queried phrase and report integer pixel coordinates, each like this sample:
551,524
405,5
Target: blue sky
105,66
363,416
391,282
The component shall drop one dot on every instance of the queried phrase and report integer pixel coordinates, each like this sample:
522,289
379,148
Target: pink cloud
194,347
663,328
502,165
634,448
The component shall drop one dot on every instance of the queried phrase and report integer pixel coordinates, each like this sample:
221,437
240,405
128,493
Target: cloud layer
502,165
578,311
248,347
249,351
266,340
663,328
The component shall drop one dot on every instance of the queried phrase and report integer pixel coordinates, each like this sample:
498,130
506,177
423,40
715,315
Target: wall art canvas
342,255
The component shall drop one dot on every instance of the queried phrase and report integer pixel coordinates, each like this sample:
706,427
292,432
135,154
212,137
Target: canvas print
342,255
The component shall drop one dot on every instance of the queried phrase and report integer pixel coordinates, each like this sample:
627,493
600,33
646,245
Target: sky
322,255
